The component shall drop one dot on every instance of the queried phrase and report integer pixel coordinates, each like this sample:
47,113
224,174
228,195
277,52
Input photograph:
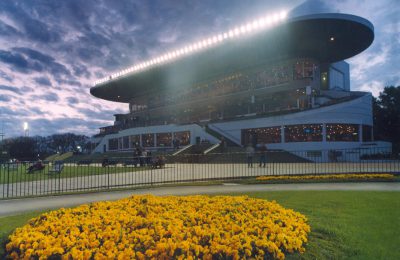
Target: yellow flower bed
327,176
145,227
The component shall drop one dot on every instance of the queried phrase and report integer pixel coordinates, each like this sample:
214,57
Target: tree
22,148
386,110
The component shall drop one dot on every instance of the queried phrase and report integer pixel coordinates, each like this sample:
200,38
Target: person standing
222,145
263,154
249,155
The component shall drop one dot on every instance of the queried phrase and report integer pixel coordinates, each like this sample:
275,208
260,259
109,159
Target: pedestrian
222,144
249,155
263,154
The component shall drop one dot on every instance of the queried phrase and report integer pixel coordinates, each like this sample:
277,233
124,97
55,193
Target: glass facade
183,137
303,133
342,132
113,144
266,135
367,133
125,142
336,79
120,143
148,140
134,140
164,139
304,69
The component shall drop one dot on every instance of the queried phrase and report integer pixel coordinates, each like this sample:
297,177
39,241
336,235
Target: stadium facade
278,80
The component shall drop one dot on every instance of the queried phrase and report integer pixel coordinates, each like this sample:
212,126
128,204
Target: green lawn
344,224
20,174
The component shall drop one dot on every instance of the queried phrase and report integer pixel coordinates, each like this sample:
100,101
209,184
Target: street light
26,128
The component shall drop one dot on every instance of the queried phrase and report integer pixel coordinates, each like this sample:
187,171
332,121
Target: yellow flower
146,226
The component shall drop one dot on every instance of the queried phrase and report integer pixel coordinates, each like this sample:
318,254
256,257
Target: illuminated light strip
256,25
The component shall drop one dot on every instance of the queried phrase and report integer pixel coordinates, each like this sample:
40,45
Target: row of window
307,133
150,140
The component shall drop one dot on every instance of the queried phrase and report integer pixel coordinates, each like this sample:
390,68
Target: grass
8,224
20,174
344,224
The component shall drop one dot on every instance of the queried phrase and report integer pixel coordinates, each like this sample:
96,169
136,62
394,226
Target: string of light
254,26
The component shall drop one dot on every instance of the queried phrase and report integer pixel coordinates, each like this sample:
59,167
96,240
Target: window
135,140
125,142
303,133
120,143
261,135
324,80
183,137
342,132
113,144
164,139
336,79
148,140
367,133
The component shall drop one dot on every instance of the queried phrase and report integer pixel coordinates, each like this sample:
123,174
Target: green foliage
22,148
386,111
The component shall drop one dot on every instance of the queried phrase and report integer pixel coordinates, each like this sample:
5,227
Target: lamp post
26,129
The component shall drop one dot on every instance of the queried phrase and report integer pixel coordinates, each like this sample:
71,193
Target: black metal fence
20,179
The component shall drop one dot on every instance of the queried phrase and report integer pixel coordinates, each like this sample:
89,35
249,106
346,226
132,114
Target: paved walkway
17,206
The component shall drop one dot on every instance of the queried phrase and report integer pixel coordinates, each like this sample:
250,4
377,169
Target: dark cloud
37,111
70,82
5,76
28,60
5,98
39,31
72,100
26,89
88,54
11,89
34,29
92,114
80,70
46,127
17,61
52,97
45,60
10,113
7,30
44,81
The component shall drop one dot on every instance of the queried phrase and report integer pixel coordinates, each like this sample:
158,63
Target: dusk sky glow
51,52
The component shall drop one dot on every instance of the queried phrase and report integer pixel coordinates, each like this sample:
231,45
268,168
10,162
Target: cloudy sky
51,51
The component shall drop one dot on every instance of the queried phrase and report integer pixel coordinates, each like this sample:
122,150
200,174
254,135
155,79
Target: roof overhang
324,37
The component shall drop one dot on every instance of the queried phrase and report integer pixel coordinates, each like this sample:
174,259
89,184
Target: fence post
8,177
233,166
192,161
108,176
359,159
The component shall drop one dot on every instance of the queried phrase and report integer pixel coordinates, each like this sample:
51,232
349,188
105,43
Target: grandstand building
279,80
